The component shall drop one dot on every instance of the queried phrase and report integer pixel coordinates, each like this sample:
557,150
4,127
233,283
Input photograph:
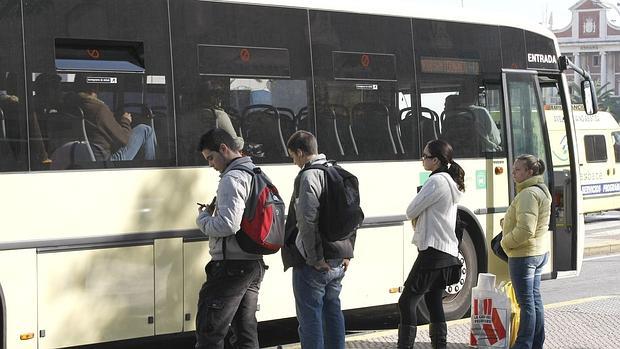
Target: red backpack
262,225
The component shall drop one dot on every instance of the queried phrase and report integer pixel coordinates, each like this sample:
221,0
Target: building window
596,60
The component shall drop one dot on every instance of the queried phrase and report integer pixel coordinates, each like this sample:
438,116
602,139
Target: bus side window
260,113
596,150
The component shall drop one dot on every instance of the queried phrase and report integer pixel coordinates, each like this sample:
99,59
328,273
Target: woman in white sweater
433,215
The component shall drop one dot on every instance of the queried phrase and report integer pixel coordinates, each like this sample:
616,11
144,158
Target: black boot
438,333
406,336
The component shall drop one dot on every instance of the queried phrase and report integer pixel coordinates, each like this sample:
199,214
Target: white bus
598,143
94,251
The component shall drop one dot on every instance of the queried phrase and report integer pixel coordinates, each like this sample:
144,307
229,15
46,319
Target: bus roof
388,8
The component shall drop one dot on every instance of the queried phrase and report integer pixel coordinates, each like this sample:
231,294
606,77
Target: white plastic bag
490,315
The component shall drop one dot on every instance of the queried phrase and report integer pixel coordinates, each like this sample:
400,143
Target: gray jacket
311,185
232,194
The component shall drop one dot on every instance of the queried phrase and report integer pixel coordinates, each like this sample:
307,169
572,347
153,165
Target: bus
94,250
598,143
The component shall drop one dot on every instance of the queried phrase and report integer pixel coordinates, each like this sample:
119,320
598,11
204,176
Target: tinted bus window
253,79
364,86
100,103
616,140
13,133
596,150
459,86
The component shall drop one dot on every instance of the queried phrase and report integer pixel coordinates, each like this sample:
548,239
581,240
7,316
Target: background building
592,40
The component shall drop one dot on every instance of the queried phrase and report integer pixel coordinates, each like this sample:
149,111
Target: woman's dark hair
532,163
443,152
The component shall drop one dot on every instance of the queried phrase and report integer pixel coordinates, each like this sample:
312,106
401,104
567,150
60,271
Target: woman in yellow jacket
525,241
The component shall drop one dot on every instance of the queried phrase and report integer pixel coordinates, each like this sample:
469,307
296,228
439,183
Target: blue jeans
317,301
142,136
525,273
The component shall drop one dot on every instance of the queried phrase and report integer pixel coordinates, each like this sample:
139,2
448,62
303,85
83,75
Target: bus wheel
457,297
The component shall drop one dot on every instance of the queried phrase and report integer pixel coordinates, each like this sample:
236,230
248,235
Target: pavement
588,323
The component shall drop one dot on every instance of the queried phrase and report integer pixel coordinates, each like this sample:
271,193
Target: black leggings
408,304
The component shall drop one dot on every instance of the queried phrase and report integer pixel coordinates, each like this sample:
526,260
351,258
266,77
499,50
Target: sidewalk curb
605,248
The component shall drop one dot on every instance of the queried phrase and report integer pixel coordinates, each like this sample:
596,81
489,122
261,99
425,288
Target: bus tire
457,297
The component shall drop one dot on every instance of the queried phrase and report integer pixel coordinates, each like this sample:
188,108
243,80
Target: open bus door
527,133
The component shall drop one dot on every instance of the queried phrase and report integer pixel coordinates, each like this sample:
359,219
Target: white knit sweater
434,209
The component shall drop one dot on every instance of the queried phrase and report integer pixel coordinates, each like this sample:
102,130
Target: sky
523,11
532,11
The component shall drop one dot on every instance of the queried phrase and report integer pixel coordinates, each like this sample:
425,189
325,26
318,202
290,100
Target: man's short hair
216,137
303,140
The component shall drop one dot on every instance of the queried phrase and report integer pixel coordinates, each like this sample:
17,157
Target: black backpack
340,213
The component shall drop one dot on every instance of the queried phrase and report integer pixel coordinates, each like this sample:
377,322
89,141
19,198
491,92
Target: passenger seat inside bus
69,143
415,127
261,128
459,129
371,129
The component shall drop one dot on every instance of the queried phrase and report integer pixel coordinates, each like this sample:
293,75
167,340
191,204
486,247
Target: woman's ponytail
458,174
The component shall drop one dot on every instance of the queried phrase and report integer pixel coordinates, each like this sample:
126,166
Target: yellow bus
598,142
94,250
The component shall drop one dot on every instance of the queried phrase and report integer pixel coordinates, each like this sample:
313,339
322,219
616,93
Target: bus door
527,133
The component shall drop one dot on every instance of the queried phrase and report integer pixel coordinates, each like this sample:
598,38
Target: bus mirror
588,96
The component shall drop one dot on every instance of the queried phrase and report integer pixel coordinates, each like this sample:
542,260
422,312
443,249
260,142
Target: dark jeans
227,300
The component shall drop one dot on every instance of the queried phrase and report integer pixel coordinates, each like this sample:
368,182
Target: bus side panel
369,280
19,285
195,258
168,286
93,296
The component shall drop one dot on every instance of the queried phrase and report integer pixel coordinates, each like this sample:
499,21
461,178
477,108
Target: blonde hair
532,163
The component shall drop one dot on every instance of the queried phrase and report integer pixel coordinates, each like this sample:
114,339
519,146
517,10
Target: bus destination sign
441,65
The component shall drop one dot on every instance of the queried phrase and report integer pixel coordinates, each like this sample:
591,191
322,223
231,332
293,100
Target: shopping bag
516,312
490,315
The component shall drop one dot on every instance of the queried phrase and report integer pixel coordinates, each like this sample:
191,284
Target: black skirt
432,270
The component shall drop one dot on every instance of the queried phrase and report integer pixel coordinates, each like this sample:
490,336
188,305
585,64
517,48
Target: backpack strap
252,173
539,186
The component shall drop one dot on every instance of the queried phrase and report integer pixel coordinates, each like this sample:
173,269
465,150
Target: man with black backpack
229,296
318,245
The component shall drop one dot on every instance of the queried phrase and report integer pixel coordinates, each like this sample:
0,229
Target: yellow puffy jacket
527,220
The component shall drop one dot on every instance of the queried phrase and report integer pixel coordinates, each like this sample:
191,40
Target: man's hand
345,263
127,116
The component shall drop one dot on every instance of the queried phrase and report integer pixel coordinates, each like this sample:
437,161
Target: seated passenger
489,135
116,140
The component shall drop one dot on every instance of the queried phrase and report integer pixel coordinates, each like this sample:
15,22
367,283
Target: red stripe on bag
472,339
499,326
491,336
476,306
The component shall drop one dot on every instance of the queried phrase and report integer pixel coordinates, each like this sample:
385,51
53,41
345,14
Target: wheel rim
453,290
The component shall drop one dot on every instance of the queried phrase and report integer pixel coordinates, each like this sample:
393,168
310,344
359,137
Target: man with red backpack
230,294
316,244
